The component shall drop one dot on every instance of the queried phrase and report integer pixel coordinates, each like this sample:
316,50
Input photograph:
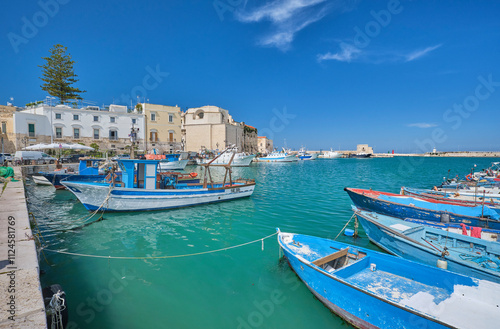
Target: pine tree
58,75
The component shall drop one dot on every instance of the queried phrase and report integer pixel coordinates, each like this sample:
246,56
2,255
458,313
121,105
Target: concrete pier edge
19,275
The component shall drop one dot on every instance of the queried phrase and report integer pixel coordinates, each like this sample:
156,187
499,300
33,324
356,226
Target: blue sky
402,75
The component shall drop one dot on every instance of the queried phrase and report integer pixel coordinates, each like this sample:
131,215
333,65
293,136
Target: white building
109,128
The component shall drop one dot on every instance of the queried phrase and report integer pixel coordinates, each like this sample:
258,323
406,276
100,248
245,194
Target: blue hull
371,289
426,252
56,178
403,211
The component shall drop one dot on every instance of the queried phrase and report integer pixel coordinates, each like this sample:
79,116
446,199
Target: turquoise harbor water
245,287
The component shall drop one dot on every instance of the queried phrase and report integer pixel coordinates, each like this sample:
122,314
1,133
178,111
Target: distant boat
402,206
360,155
432,246
276,156
88,170
370,289
303,155
330,155
240,159
173,162
144,188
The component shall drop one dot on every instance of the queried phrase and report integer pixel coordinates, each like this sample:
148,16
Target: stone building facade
7,133
250,139
163,128
212,128
264,145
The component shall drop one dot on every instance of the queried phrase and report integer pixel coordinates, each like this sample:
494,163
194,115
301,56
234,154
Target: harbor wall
21,297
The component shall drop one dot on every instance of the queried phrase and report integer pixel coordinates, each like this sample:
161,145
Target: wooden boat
304,155
454,197
143,188
88,170
402,206
374,290
432,246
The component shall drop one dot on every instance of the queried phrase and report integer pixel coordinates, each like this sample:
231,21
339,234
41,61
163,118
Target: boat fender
468,177
441,263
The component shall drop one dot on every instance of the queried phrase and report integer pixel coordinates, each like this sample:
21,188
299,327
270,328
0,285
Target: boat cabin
89,166
139,173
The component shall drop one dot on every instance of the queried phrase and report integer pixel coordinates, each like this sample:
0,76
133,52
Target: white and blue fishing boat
370,289
304,155
144,188
432,246
402,206
276,156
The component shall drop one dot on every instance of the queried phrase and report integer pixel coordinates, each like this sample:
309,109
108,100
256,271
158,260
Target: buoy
441,263
348,232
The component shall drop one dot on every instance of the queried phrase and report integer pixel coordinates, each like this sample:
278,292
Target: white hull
92,196
239,160
279,158
40,180
330,155
173,165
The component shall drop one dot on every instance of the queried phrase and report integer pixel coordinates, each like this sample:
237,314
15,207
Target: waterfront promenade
21,297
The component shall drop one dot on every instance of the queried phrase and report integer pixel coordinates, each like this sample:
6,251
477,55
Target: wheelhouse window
31,129
58,132
113,135
76,133
96,133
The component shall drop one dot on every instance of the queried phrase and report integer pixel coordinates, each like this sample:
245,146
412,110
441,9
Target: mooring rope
343,228
163,257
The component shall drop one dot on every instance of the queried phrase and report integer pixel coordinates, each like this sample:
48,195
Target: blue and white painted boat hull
93,196
285,158
382,291
428,251
403,211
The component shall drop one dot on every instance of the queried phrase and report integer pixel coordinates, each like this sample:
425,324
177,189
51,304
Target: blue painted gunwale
366,202
352,301
405,246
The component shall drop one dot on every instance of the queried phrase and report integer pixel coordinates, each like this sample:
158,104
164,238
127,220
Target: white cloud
346,54
419,53
349,52
288,17
422,125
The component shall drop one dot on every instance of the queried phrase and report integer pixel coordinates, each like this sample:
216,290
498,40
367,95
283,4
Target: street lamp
51,127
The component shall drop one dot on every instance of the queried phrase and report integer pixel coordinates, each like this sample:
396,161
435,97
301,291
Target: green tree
58,75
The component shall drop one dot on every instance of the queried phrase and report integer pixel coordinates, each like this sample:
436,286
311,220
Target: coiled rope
163,257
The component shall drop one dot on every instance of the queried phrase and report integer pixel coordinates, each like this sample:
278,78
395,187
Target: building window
58,115
153,116
134,121
4,127
96,133
112,119
200,115
76,117
31,129
58,132
76,133
153,136
170,117
96,118
113,135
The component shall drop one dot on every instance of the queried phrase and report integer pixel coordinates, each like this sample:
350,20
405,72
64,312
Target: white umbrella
55,146
80,147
